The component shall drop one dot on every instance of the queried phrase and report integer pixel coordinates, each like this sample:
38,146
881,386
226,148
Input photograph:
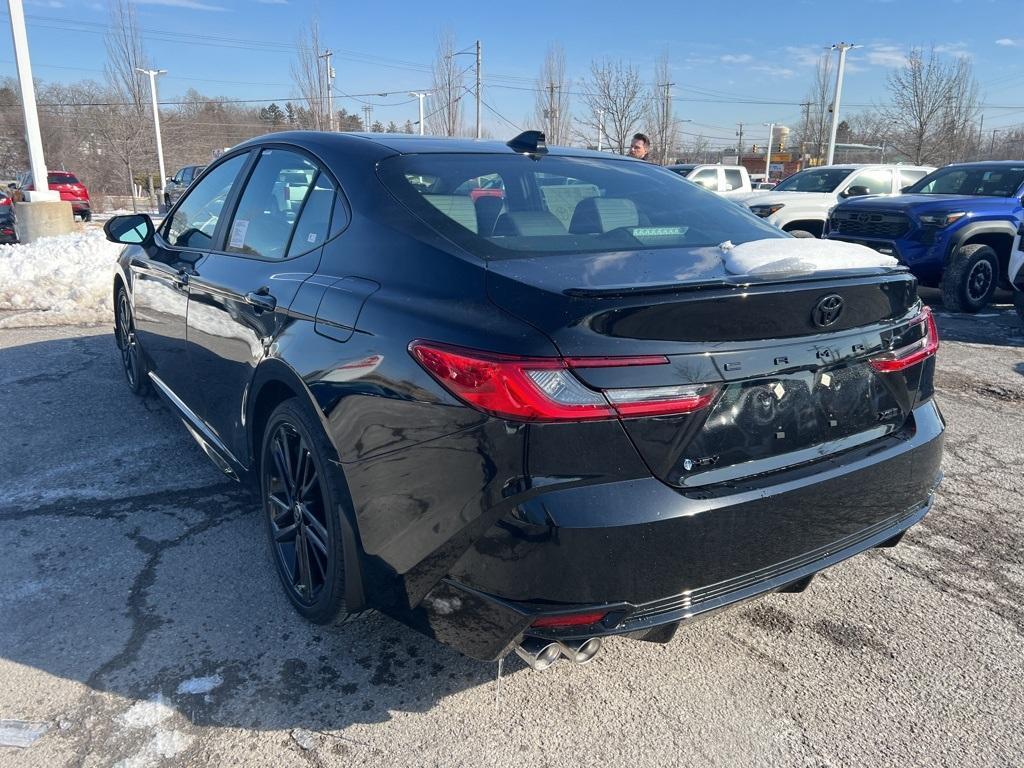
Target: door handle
262,300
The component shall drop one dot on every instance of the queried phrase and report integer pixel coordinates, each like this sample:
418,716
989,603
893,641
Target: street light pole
768,152
420,96
842,48
28,100
156,124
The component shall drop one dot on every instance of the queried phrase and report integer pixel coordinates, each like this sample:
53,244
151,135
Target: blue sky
718,51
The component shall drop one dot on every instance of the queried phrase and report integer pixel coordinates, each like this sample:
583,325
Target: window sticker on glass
311,237
659,231
238,231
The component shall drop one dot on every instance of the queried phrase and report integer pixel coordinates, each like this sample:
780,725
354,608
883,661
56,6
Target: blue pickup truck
953,229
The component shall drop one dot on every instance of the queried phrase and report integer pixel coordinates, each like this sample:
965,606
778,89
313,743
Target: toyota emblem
864,218
828,310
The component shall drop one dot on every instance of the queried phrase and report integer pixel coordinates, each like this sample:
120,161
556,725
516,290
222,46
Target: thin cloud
886,56
773,71
1007,42
742,58
192,5
805,56
272,2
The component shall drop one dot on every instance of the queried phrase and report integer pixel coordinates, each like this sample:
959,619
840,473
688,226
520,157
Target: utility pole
367,113
28,100
739,145
666,127
329,77
420,96
992,142
156,124
768,151
479,58
842,48
551,113
600,127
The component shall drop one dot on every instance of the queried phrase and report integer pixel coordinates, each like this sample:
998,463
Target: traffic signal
754,149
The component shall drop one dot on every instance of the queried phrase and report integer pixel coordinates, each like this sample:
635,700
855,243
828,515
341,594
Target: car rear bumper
654,557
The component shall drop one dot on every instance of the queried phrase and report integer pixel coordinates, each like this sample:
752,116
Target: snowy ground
63,280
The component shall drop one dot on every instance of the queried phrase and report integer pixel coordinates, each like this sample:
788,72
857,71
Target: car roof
978,163
404,143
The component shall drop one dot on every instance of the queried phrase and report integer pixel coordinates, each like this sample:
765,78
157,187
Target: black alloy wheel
302,513
127,343
970,278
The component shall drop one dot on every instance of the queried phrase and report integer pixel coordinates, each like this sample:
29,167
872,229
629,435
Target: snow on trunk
789,256
65,280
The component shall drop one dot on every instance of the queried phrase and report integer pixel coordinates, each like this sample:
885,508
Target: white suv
726,180
1016,271
801,202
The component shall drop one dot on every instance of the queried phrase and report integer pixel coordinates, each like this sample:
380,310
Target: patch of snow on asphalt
200,684
147,714
64,280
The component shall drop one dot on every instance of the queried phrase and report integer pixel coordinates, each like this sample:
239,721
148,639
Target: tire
1018,303
87,216
970,279
133,362
308,550
802,233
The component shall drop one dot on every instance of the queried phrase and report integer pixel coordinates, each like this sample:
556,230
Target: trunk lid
790,391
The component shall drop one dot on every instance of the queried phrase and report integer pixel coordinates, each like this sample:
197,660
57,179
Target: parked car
179,182
69,187
761,186
727,180
1015,271
8,234
954,228
516,427
801,202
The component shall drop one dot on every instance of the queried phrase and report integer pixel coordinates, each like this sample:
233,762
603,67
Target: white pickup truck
726,180
801,202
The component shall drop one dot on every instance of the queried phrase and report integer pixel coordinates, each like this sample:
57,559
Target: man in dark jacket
640,147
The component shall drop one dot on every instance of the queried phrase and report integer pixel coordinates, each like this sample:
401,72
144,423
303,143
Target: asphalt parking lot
141,622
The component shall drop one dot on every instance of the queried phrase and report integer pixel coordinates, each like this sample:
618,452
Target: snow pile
786,255
65,280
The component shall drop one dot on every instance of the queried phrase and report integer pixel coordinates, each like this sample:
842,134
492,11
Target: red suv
70,189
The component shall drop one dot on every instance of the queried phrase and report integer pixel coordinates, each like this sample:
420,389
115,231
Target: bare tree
663,131
814,131
613,88
308,77
445,117
933,105
551,106
121,121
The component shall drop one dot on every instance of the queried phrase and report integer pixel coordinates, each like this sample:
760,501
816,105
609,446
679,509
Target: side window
910,177
270,203
195,221
733,179
186,175
311,228
877,182
706,178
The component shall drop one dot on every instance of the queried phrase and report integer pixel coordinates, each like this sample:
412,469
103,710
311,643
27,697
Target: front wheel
303,500
132,361
970,278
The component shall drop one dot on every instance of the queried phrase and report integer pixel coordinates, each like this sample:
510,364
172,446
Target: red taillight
914,353
5,201
573,620
545,389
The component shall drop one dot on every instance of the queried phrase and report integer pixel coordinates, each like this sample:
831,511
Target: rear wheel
303,500
970,278
132,361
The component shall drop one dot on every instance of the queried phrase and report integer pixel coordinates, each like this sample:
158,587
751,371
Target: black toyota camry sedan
511,396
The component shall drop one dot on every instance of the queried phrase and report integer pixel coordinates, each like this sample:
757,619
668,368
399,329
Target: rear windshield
499,205
61,178
976,180
814,180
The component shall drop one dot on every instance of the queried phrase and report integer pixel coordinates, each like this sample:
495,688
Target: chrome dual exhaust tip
541,654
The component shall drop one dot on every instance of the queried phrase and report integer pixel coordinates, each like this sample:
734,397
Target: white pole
421,97
842,48
768,154
28,101
479,57
600,127
156,123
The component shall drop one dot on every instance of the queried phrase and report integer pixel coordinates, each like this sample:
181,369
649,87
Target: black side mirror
856,190
133,229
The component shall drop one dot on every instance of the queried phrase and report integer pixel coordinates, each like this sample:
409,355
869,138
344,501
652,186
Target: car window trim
321,168
166,223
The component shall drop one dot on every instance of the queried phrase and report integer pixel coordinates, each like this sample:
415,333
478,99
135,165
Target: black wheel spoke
316,530
282,467
287,533
311,482
300,471
305,572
